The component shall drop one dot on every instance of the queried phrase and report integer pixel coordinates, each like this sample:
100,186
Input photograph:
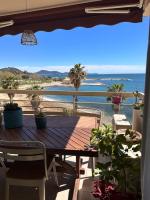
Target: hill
19,74
52,73
12,70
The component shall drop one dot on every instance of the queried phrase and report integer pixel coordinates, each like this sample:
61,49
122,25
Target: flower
102,190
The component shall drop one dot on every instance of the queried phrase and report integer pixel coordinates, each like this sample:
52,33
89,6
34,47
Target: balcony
61,115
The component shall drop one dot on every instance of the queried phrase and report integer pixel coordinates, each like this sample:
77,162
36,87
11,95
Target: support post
145,164
74,105
78,166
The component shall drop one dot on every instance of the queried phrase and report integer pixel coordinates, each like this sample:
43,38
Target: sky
103,49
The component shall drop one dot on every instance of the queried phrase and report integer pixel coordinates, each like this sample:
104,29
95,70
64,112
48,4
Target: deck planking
73,138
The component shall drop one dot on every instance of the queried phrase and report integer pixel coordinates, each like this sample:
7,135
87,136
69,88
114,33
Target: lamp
28,38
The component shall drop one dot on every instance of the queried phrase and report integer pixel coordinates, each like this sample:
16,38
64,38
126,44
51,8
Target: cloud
101,69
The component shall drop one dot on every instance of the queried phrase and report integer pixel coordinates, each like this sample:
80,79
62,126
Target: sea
131,82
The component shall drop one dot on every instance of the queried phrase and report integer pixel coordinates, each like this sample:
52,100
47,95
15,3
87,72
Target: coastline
59,84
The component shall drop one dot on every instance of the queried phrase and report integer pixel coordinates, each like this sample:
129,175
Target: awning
146,8
48,15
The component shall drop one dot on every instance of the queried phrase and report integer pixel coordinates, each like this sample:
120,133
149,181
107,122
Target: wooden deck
64,121
64,135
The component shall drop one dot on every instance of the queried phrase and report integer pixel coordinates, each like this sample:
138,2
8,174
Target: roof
48,15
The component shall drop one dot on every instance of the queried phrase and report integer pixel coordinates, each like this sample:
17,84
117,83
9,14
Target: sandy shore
60,84
51,84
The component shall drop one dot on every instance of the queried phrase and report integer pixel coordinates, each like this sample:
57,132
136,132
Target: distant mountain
52,73
46,73
13,70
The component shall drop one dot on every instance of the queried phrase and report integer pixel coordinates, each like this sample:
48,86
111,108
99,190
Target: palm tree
116,88
10,83
76,75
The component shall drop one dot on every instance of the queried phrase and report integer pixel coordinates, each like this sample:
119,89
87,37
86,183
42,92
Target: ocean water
132,82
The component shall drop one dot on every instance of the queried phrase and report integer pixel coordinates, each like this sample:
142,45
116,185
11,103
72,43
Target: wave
116,79
45,98
93,84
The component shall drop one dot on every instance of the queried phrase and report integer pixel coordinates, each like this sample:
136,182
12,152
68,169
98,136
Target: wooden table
64,135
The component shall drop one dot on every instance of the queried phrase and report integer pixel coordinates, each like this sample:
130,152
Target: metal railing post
74,105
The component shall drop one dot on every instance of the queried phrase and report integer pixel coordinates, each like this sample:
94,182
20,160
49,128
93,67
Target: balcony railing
75,107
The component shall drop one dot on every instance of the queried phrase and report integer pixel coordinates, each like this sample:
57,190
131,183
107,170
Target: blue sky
121,48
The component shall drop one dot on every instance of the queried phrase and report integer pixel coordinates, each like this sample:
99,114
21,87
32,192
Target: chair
30,165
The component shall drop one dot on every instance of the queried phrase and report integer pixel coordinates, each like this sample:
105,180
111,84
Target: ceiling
48,15
8,7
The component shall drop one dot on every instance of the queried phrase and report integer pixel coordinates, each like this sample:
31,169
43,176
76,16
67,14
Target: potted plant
12,113
35,99
40,119
10,83
116,97
119,178
13,117
101,136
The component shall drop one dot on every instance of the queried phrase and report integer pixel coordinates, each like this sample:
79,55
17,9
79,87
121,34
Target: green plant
100,137
121,167
10,83
35,87
39,113
116,90
35,98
